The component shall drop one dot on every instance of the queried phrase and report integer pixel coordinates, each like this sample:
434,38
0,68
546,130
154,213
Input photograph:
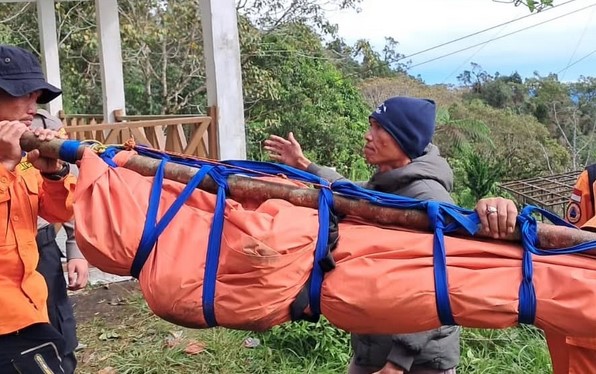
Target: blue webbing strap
527,293
321,251
151,230
148,238
440,264
529,232
108,154
68,151
214,249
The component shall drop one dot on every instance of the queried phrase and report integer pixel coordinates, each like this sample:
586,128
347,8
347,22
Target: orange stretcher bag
378,280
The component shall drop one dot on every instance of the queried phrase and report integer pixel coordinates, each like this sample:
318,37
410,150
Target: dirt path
106,300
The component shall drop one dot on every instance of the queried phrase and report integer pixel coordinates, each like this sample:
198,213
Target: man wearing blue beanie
398,143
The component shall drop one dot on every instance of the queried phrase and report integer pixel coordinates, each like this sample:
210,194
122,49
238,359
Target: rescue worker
398,143
30,185
60,309
577,355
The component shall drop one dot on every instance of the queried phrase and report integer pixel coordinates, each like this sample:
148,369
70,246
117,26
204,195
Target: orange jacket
574,355
580,208
24,194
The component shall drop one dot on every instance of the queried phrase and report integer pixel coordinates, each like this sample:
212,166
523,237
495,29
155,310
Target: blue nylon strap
108,156
440,264
527,293
147,238
213,250
316,281
151,231
68,151
529,233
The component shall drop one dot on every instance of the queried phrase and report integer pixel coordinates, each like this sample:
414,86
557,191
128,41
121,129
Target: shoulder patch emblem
573,213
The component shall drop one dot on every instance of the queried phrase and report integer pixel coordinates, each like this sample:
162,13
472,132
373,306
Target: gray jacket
427,177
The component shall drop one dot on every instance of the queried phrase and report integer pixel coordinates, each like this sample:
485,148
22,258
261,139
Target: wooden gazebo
222,60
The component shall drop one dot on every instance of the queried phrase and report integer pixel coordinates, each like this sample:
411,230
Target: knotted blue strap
214,249
321,251
440,265
108,155
529,232
68,151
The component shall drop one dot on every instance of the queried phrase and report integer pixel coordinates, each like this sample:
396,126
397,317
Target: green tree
312,99
482,173
454,136
522,143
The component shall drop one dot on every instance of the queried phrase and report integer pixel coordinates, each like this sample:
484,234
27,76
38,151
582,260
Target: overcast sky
421,24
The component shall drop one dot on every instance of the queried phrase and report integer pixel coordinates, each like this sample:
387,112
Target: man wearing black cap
398,143
29,187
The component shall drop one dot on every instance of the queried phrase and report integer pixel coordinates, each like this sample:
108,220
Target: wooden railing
80,119
191,135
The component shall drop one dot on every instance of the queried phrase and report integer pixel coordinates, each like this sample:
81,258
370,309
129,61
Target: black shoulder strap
591,169
43,120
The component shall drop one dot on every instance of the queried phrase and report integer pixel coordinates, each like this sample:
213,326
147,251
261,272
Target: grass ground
122,336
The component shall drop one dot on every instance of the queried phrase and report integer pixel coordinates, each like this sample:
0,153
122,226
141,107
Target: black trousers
33,350
60,309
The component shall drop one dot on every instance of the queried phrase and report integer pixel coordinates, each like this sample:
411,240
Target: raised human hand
287,151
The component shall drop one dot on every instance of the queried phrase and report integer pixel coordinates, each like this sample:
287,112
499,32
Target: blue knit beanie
410,121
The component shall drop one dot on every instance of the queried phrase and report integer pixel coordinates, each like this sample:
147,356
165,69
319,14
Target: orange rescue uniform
23,195
573,355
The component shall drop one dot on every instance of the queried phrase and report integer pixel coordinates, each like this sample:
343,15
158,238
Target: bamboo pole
245,188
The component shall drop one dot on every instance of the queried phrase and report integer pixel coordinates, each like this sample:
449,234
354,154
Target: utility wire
500,37
577,61
472,56
482,31
581,38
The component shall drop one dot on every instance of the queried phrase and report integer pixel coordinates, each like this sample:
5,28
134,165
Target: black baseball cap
21,74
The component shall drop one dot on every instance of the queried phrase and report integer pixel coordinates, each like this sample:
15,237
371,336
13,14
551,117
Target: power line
472,56
502,36
578,43
482,31
577,61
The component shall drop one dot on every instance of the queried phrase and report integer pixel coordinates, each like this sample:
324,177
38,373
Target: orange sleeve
6,179
580,207
56,199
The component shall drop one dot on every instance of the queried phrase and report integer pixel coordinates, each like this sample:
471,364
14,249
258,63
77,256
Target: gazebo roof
549,192
222,60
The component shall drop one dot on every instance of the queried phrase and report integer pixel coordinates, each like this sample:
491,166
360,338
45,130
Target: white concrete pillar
110,57
48,39
224,78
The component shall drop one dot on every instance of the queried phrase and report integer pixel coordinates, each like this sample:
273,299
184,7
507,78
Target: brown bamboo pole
244,188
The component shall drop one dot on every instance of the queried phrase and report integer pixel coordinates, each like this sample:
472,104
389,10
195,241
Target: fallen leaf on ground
194,347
